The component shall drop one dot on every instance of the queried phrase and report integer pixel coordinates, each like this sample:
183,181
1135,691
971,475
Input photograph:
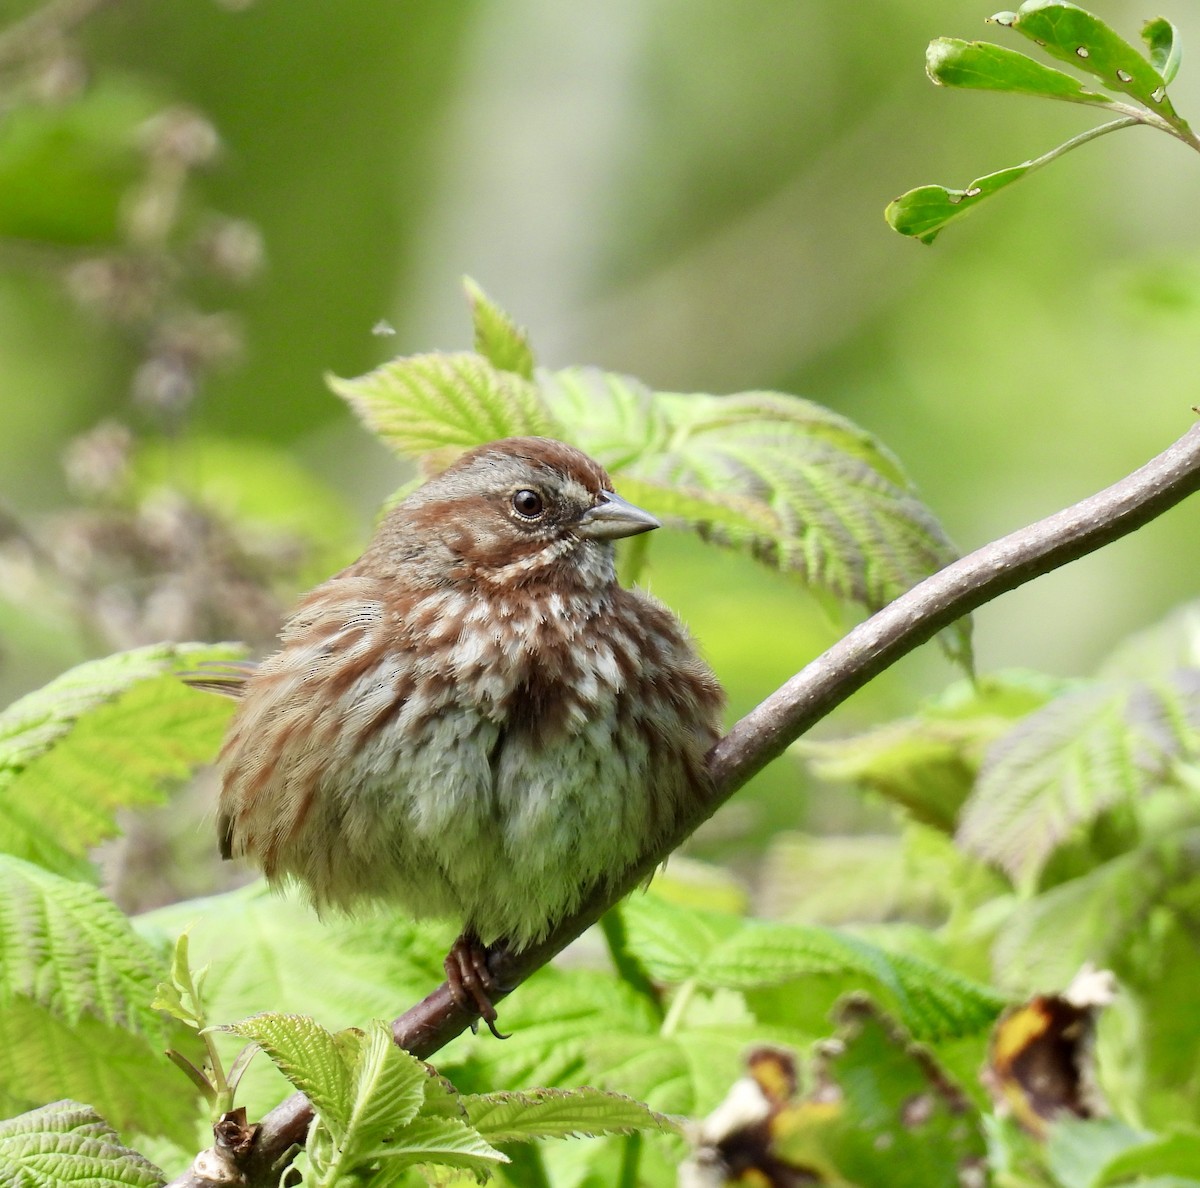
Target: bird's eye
527,504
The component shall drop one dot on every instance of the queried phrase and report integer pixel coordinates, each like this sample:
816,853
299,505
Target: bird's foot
470,980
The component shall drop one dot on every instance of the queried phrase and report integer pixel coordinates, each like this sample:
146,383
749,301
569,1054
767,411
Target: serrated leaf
68,1143
106,734
442,404
75,1018
1166,52
1064,765
558,1113
388,1087
794,484
310,1057
1074,35
982,66
444,1142
718,951
615,418
503,343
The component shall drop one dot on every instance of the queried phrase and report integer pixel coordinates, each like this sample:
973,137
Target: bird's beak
614,518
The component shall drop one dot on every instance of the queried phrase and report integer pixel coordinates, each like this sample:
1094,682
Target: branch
764,733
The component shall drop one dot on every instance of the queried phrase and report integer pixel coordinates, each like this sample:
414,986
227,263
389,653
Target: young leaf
558,1113
76,984
982,66
104,735
503,343
69,1143
1162,39
310,1057
1074,35
442,404
1066,764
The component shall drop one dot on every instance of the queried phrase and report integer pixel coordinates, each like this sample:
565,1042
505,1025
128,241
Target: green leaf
388,1087
75,1019
558,1113
442,404
982,66
1166,53
309,1056
1069,762
713,950
1074,35
106,734
68,1143
927,763
794,484
503,343
446,1142
925,212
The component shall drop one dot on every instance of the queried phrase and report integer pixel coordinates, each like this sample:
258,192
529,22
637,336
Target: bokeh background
205,207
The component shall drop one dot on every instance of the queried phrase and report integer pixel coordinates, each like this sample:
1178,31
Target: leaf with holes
441,404
75,989
982,66
1073,35
107,734
1066,764
69,1143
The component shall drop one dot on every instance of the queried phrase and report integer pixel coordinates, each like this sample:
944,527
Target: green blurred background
688,192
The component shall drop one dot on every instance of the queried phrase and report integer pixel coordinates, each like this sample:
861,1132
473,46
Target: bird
474,720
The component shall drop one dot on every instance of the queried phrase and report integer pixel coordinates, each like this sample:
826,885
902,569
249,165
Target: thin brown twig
764,733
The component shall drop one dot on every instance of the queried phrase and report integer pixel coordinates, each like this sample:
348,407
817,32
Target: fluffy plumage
474,719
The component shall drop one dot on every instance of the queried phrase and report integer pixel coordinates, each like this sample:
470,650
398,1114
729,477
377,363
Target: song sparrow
474,719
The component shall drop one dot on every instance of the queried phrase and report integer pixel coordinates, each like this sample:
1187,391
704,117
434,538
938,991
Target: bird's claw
470,980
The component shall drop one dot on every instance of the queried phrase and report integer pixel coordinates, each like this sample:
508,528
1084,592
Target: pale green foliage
106,734
380,1110
68,1143
76,984
503,343
794,484
723,952
440,405
557,1113
1066,764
